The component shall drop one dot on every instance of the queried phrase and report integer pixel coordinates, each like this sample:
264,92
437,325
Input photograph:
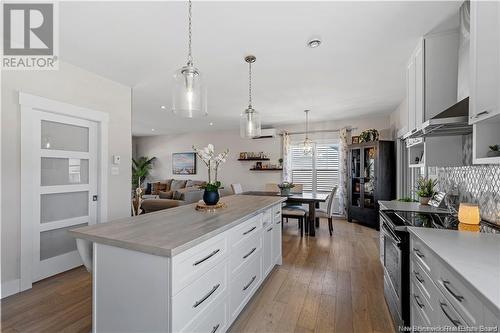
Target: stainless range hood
452,121
455,119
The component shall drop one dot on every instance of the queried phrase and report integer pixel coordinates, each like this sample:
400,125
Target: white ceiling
358,70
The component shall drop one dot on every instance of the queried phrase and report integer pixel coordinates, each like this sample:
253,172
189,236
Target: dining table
309,198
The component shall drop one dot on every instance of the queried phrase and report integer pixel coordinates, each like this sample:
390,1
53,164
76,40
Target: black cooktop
424,220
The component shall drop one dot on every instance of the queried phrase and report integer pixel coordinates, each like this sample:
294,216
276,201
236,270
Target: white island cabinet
182,270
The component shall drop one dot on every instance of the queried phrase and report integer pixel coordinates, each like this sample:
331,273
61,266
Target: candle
468,213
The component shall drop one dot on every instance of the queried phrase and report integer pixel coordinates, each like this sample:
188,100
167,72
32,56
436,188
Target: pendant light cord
249,85
190,57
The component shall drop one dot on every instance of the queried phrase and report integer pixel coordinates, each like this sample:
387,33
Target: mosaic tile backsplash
476,184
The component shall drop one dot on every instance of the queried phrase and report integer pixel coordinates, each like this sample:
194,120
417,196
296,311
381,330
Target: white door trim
28,105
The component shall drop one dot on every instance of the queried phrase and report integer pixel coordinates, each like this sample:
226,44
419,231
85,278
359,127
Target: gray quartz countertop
171,231
474,256
409,207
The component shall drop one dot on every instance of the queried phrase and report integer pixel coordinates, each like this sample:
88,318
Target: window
318,173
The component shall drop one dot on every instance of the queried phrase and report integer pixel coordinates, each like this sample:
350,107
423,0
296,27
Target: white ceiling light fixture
307,145
250,123
188,94
314,43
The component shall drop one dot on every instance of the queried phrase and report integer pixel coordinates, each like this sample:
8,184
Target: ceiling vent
267,133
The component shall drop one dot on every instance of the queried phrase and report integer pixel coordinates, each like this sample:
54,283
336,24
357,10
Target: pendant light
188,94
307,145
250,118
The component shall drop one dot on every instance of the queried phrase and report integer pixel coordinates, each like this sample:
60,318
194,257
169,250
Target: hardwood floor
324,285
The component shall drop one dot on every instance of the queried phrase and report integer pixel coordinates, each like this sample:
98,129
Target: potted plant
425,189
141,169
494,151
285,188
212,161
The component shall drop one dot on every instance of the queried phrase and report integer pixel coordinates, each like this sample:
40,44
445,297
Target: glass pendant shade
188,93
307,147
250,124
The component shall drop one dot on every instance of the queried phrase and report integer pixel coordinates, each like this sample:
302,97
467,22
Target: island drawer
243,285
245,252
199,297
245,230
214,321
193,263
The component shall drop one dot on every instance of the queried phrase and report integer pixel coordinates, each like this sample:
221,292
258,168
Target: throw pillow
168,182
177,184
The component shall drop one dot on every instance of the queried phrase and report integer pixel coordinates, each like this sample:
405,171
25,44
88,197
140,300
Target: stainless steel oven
394,258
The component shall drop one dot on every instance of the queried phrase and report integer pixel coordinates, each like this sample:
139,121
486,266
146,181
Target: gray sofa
174,193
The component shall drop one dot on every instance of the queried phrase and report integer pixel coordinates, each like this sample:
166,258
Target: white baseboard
10,288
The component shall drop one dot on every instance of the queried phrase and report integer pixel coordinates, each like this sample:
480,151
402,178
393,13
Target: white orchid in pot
212,161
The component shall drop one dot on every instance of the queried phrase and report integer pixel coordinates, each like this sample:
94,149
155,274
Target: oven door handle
389,233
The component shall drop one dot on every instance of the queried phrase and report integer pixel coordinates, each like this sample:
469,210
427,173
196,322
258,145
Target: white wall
235,171
399,119
72,85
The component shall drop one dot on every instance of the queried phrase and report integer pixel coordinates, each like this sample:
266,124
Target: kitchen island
180,269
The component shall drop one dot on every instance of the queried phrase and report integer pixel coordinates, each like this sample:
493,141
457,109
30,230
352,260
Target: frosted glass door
66,178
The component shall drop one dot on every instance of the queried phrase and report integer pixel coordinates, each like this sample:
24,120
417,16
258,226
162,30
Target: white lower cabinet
438,295
202,289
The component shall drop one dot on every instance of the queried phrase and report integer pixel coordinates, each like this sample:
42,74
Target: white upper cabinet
431,77
485,60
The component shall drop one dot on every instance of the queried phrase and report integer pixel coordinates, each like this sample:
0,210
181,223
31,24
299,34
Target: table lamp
468,216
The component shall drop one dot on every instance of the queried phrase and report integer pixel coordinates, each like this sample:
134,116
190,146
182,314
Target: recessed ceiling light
152,130
211,124
163,107
314,43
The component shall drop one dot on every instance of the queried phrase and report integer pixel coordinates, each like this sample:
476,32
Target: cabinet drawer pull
417,299
279,222
278,212
269,229
204,298
455,322
250,283
249,231
216,327
418,253
457,297
417,276
249,253
206,258
482,113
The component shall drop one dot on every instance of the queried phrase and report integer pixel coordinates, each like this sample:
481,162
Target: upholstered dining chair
328,213
271,187
237,188
299,214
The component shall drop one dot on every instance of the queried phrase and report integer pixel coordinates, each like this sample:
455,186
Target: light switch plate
115,171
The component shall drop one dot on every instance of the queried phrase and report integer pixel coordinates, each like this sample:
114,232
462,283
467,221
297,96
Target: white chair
237,188
298,188
328,213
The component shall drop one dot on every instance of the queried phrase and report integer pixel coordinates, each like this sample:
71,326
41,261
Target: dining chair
298,188
237,188
328,213
271,187
300,215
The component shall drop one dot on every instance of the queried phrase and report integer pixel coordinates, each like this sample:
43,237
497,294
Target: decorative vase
211,198
424,200
285,191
